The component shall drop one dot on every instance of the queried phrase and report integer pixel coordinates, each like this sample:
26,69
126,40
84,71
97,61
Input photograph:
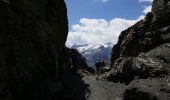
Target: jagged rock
32,35
154,63
145,34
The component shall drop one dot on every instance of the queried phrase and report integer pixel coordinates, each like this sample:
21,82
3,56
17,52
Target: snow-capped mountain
93,51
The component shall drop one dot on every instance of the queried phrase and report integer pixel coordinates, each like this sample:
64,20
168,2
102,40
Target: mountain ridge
93,51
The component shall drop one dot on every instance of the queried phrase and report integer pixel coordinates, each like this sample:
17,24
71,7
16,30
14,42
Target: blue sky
101,21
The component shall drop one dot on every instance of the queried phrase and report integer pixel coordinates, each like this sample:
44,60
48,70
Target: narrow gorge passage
36,64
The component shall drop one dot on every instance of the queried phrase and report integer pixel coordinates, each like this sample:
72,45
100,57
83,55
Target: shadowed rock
32,34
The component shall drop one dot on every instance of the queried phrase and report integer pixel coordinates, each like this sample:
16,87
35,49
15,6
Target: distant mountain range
93,51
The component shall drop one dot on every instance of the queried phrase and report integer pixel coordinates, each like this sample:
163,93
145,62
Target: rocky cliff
32,35
146,34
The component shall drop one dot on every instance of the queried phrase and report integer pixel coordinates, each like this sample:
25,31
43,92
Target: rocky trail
103,90
142,89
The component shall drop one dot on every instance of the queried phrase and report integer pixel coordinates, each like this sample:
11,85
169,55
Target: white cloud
145,0
91,31
147,9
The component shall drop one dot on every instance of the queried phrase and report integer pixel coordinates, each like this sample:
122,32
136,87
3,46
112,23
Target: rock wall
32,35
146,34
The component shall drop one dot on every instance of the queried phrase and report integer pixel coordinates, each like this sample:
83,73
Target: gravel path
103,90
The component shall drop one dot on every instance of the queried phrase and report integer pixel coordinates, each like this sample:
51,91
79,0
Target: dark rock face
146,34
32,34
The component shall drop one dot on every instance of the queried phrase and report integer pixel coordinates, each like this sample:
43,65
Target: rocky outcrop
129,57
146,34
32,35
154,63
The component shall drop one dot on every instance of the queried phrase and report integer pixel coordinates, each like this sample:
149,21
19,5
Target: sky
102,21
